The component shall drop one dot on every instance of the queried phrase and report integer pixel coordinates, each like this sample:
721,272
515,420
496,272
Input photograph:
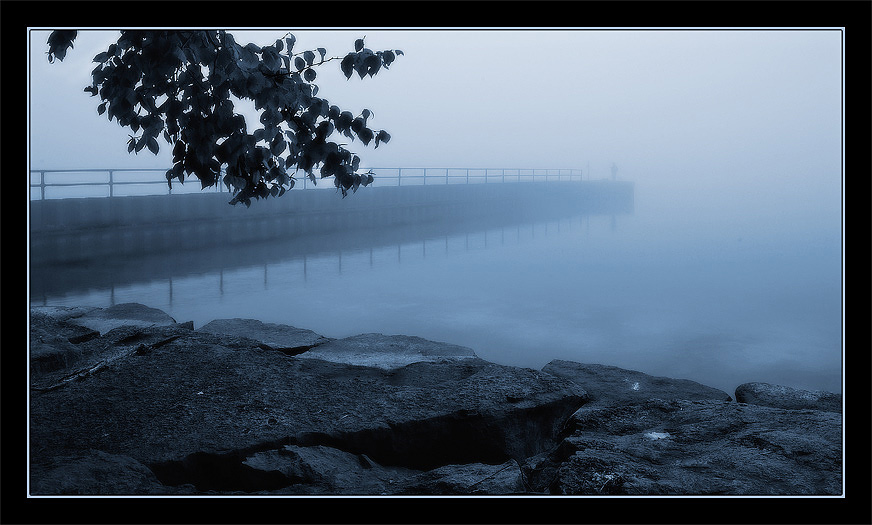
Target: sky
718,114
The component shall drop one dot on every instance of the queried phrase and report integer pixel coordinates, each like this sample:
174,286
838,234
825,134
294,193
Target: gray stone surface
186,402
695,448
325,470
103,320
284,338
779,396
478,479
92,472
162,409
387,351
612,385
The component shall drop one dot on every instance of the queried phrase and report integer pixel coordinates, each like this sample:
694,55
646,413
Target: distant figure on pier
614,170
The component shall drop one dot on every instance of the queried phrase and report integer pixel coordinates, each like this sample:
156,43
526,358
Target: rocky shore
125,400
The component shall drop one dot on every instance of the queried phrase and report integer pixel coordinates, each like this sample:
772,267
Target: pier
82,230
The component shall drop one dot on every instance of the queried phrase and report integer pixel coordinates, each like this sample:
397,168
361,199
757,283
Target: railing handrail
444,176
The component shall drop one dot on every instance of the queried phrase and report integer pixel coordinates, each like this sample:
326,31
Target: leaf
382,136
101,108
358,44
152,145
290,40
347,65
309,75
299,63
309,57
388,57
322,52
372,63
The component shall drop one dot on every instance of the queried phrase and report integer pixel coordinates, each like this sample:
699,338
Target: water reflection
621,290
282,263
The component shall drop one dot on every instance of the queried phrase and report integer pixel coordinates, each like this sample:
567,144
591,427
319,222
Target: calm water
670,294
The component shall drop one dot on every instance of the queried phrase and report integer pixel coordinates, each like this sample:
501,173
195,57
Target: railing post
399,177
42,185
503,175
111,182
467,175
424,178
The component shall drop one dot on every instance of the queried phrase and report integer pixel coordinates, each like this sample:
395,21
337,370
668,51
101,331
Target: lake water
676,293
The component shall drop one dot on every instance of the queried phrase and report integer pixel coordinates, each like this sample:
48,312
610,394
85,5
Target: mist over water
676,289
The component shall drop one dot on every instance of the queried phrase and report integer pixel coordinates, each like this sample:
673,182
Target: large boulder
696,448
649,435
192,406
780,396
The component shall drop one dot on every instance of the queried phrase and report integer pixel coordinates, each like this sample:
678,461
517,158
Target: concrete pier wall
78,230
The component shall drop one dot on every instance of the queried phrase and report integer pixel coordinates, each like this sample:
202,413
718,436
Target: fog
733,139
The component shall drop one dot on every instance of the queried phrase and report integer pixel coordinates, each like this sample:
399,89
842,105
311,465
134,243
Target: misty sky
722,114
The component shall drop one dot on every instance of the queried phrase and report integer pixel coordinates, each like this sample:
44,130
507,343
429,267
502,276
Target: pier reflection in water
615,290
171,279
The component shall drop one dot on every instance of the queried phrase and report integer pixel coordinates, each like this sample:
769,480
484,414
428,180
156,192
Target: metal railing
75,183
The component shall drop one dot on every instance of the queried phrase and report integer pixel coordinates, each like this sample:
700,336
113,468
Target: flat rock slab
779,396
103,320
618,386
697,447
387,351
283,338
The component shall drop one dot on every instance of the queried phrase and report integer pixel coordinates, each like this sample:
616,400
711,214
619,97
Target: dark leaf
347,65
152,145
358,44
309,75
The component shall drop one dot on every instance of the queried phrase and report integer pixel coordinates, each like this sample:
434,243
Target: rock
283,338
126,314
325,470
158,408
789,398
470,479
194,405
387,351
93,472
694,448
53,342
617,386
50,354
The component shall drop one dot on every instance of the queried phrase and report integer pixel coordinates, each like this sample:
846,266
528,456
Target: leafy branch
178,85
